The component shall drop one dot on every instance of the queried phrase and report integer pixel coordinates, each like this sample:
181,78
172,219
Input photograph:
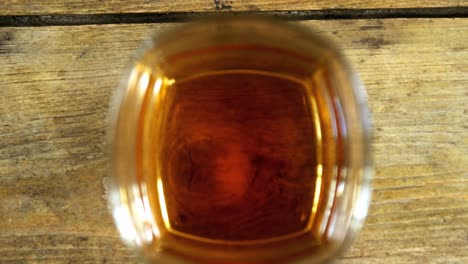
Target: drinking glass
239,140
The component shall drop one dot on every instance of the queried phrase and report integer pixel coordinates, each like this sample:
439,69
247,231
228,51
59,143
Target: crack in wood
138,18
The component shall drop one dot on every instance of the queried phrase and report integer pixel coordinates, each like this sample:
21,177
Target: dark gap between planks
137,18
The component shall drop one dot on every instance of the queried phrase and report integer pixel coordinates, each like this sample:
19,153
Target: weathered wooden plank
41,7
55,84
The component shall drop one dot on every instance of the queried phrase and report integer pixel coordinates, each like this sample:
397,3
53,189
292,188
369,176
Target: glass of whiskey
239,140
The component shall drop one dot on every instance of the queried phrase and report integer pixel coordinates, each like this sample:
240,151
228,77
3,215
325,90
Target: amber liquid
238,156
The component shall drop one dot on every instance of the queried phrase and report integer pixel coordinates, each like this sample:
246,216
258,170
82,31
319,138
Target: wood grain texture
55,85
41,7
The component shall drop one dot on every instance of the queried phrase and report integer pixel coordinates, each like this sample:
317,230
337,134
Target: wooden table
56,79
